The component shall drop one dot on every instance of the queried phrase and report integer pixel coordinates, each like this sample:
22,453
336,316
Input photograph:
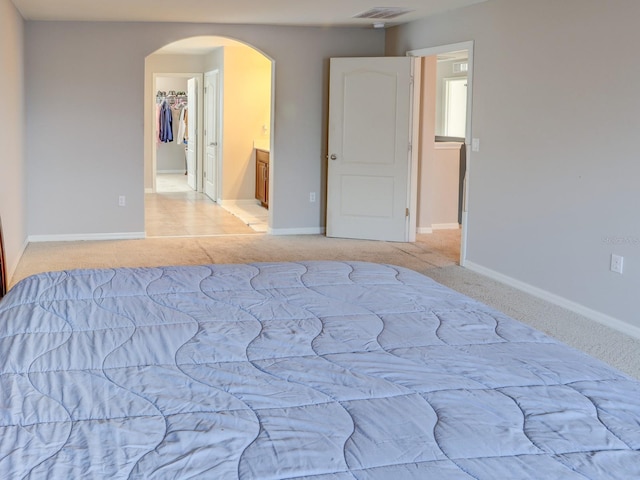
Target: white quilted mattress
315,370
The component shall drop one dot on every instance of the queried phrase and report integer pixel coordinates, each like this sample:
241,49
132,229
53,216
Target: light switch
475,144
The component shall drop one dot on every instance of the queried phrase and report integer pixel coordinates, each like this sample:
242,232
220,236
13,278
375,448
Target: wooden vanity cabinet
262,177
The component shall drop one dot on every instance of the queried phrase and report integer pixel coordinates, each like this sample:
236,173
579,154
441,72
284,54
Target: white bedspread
318,370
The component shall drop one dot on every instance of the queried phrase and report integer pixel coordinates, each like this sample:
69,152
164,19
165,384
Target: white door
369,190
192,129
211,133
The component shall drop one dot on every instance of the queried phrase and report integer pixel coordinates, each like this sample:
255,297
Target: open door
211,133
370,192
192,129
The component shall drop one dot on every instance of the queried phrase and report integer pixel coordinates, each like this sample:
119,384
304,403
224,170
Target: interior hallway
175,210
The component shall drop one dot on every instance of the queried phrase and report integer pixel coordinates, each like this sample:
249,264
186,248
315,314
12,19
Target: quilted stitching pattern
316,370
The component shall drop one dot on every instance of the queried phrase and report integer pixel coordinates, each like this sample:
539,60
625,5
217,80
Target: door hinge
410,147
406,214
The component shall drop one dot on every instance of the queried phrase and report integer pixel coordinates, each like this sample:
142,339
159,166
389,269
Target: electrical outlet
617,263
122,201
312,197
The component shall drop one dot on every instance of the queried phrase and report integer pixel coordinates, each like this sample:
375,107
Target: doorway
432,184
174,149
212,116
445,131
230,113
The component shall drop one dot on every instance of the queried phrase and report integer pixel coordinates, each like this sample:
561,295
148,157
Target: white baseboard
296,231
170,171
589,313
446,226
86,237
438,226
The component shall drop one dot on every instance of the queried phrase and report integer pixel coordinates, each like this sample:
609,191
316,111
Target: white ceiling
266,12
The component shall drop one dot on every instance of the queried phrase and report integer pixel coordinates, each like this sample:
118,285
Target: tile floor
177,211
254,215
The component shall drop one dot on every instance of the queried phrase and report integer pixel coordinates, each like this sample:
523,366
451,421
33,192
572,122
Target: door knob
333,156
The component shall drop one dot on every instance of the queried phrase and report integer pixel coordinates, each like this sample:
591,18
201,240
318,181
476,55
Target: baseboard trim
297,231
170,172
424,230
446,226
580,309
86,237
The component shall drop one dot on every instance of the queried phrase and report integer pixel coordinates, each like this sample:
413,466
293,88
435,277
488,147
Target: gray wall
13,185
554,188
85,118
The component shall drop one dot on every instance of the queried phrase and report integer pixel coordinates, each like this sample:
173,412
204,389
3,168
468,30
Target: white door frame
154,143
452,47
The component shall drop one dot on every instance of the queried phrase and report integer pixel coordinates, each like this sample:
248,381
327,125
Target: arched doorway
229,104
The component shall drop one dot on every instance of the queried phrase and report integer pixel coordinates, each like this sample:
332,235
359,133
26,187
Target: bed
311,370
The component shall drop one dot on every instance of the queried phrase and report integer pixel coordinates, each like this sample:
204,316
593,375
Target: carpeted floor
435,255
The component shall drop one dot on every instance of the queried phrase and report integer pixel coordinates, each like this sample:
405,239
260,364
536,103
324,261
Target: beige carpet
435,255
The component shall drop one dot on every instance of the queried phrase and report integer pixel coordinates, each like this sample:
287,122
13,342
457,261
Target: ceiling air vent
383,13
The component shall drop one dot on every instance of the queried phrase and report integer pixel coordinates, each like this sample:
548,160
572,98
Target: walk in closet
172,119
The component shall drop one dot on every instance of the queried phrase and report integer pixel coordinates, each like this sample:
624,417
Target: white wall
554,187
85,111
13,186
